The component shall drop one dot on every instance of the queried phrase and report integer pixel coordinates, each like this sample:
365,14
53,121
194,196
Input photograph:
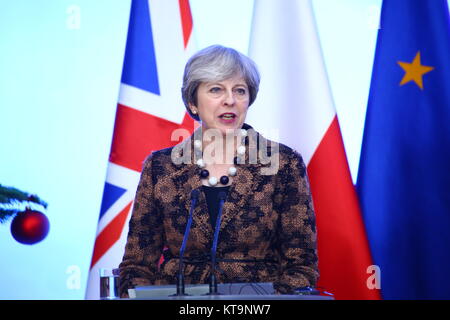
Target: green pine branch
5,214
11,200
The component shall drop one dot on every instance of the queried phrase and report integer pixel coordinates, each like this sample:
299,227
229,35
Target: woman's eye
215,90
241,91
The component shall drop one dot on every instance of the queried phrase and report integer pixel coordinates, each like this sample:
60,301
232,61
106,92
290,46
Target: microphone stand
180,278
213,280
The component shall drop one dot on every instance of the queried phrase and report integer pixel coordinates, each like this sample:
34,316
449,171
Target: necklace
232,171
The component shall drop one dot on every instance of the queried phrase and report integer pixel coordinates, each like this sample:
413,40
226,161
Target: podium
227,291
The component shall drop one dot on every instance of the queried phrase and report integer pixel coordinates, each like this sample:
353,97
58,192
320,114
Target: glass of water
109,283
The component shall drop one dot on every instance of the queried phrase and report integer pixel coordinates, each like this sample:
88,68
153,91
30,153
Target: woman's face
222,105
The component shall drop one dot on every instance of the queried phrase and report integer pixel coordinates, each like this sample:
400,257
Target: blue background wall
60,69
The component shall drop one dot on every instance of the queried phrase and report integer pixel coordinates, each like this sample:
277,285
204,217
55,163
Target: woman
267,228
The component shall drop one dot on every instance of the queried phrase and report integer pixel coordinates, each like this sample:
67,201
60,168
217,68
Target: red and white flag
149,109
295,107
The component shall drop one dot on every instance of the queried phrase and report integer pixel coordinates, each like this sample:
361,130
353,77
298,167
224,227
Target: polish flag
295,106
149,110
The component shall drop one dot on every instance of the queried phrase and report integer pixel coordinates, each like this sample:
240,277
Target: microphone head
195,194
222,195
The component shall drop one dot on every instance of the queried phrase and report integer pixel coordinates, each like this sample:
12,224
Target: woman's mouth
227,117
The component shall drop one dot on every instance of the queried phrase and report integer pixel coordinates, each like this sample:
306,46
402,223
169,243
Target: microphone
212,280
180,279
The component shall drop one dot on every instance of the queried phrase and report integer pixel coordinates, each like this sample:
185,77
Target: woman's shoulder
279,158
158,158
271,146
284,151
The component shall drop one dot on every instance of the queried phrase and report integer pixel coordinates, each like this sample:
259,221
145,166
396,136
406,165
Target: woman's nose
230,99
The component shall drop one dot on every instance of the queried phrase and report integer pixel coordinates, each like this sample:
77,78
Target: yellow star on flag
414,71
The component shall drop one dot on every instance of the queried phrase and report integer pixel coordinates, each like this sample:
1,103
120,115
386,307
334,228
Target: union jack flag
149,109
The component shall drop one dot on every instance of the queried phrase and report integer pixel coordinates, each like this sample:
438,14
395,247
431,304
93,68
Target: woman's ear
193,109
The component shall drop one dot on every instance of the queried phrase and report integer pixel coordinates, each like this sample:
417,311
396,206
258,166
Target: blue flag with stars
404,173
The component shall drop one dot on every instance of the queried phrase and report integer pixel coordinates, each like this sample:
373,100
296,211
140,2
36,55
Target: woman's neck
220,148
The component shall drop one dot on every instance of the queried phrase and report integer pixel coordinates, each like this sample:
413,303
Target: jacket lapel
245,183
186,178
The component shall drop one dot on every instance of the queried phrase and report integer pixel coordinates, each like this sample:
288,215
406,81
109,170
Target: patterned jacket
267,232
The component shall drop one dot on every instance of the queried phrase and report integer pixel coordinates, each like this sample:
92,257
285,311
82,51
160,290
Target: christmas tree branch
5,214
11,200
9,194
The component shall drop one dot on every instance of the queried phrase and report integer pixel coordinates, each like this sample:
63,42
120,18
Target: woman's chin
226,129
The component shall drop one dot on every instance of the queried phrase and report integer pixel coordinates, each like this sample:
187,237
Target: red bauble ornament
30,227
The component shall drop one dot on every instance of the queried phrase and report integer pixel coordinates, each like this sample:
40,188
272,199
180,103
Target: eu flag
404,175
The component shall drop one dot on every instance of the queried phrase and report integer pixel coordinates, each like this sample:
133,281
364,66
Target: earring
194,112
